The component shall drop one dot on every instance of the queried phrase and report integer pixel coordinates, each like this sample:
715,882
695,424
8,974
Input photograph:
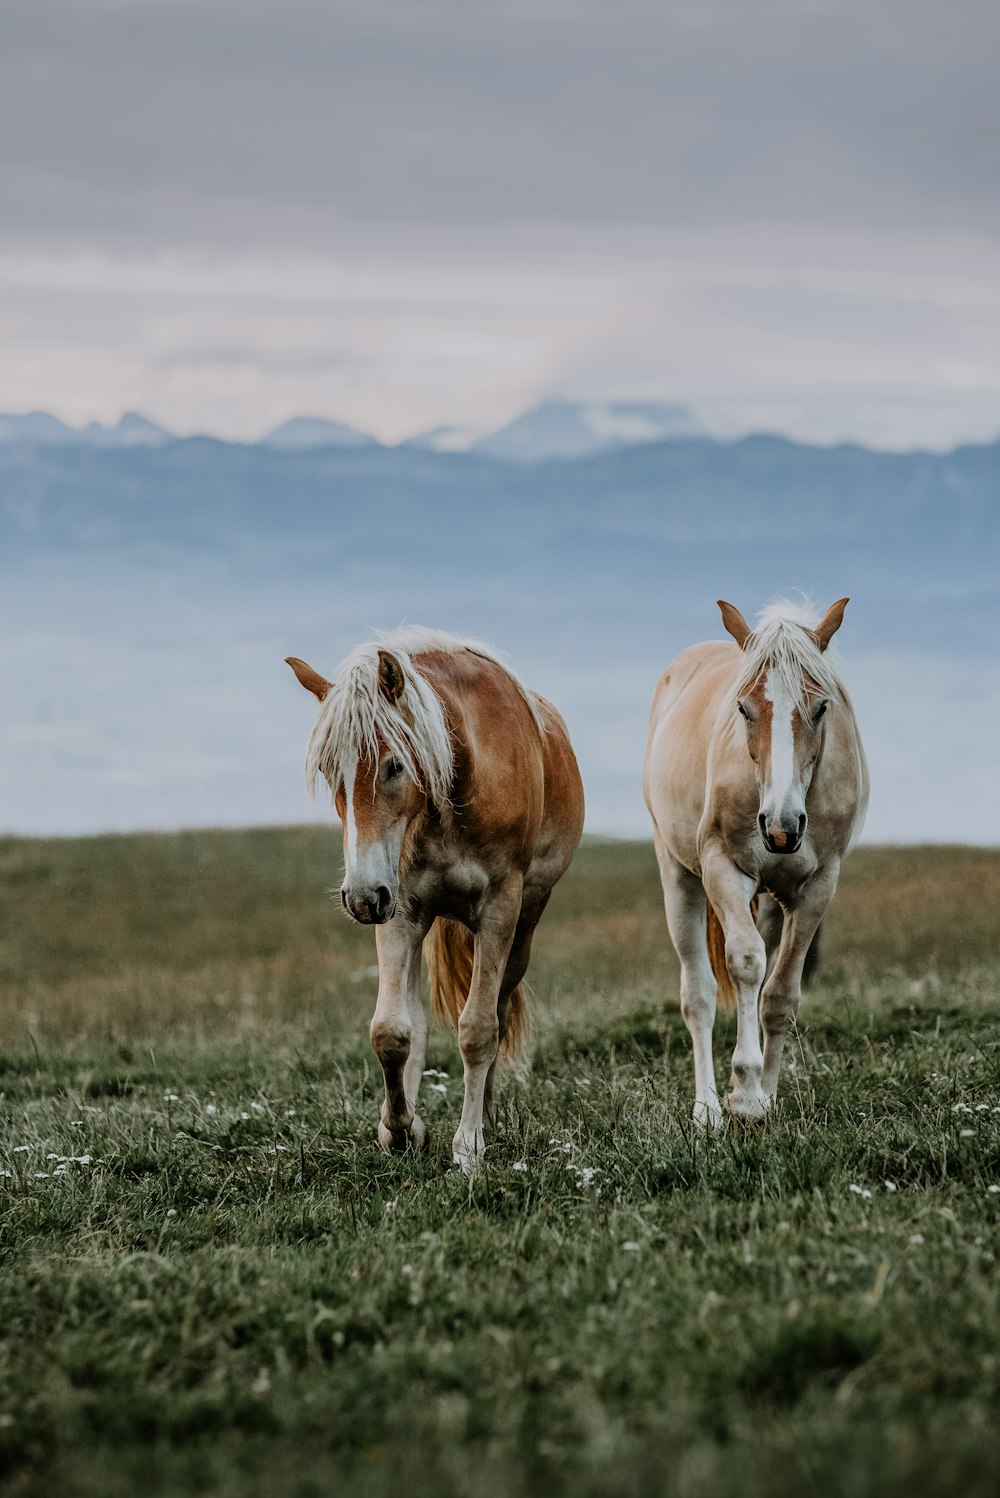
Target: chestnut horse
461,806
757,785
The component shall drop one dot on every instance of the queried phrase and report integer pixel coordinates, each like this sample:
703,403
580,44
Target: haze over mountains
149,590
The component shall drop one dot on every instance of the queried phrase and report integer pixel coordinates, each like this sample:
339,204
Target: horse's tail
716,938
450,949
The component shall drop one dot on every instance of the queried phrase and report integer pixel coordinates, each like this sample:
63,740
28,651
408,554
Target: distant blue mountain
305,433
575,429
41,429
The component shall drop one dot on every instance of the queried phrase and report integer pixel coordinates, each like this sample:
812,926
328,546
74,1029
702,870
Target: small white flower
523,1165
890,1186
258,1107
244,1115
991,1190
81,1159
966,1133
20,1149
210,1108
289,1112
630,1247
587,1174
76,1123
982,1107
438,1087
961,1108
171,1211
861,1191
41,1175
6,1174
171,1097
916,1239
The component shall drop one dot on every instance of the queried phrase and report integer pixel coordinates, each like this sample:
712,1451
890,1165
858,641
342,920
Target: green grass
238,1294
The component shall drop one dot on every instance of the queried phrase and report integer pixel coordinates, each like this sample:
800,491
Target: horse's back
682,720
520,780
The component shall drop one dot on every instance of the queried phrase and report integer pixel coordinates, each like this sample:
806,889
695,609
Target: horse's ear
734,622
310,679
831,622
390,676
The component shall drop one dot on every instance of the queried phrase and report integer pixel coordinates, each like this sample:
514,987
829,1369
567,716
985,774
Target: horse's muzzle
373,908
782,837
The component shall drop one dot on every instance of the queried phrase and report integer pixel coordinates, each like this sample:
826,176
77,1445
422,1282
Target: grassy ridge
212,1281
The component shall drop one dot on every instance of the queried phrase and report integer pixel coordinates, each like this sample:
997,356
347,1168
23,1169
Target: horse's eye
393,768
820,711
743,711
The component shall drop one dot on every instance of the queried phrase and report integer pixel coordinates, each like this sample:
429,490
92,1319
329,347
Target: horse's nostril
762,824
343,898
383,899
802,824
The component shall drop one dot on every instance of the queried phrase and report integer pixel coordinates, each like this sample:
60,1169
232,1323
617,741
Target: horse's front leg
779,1001
731,892
399,1033
478,1025
686,907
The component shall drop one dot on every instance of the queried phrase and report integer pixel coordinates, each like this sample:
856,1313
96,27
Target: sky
401,215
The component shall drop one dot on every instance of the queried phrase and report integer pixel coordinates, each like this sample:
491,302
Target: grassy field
213,1282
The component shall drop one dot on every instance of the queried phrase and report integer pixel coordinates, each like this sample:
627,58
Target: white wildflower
966,1133
890,1186
258,1107
171,1097
630,1246
20,1149
861,1191
210,1108
991,1190
523,1165
171,1211
916,1239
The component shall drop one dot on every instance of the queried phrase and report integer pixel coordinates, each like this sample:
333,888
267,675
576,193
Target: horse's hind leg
770,920
399,1044
685,903
479,1025
779,1001
517,966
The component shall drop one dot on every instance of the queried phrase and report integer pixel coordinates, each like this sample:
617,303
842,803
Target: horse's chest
455,888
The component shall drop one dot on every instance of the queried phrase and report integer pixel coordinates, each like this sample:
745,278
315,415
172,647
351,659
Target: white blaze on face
351,842
782,778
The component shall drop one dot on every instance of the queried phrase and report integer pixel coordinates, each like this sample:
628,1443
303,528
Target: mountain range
148,594
554,429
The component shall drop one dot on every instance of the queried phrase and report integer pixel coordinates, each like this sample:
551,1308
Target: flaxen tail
716,937
449,951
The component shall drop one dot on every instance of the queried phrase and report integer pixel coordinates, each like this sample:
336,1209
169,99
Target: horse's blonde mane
355,714
783,643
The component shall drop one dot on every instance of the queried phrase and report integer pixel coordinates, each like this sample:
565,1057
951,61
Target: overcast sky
402,214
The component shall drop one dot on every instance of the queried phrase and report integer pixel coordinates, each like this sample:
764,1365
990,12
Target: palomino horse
461,805
757,785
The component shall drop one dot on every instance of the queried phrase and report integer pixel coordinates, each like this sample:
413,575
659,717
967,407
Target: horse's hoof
398,1141
747,1107
707,1116
468,1151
